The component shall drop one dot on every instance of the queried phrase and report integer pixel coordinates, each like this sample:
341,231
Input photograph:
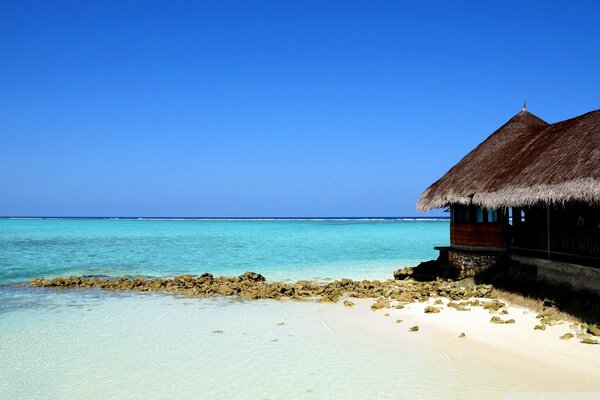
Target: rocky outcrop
425,271
251,285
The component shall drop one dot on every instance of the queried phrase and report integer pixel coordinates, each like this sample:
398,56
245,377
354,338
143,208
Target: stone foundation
468,264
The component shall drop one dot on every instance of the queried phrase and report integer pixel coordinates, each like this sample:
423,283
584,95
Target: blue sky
171,108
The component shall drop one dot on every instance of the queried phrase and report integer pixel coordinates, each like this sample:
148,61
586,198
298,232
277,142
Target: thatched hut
531,189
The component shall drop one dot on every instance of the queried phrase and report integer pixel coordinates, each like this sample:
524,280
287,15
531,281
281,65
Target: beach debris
281,323
431,310
217,331
593,329
414,328
567,336
497,320
458,306
326,298
589,341
583,335
493,305
349,303
381,302
462,335
549,317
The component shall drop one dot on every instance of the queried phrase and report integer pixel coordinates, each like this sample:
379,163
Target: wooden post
548,227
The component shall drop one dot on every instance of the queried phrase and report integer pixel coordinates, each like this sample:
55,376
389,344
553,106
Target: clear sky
280,108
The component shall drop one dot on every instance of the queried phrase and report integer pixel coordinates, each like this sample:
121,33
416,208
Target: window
471,214
479,215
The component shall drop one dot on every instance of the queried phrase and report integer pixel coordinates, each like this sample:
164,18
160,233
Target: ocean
280,249
74,344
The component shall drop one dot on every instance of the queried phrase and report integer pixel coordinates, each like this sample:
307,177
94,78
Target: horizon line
214,218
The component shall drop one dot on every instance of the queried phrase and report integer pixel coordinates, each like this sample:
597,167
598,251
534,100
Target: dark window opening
461,214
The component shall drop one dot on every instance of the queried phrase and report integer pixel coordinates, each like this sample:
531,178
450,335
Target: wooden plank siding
479,235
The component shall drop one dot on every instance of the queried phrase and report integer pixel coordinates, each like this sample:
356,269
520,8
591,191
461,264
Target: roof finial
524,106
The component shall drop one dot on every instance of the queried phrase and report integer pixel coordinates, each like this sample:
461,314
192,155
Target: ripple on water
98,345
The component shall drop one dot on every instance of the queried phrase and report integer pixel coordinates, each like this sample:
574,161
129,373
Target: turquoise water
90,344
279,249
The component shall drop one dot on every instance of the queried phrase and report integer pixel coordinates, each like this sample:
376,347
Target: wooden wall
478,235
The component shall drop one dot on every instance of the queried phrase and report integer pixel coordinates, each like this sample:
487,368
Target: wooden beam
548,228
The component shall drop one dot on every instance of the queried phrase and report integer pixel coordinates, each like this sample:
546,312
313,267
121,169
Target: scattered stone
493,305
509,321
504,312
541,327
458,306
589,341
462,335
387,314
594,330
281,323
217,331
567,336
348,303
381,303
497,320
438,302
398,321
431,310
414,328
583,336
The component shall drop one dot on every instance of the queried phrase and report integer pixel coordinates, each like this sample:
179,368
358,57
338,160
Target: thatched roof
527,161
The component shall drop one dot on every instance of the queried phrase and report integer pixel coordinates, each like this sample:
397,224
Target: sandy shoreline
536,359
158,343
546,362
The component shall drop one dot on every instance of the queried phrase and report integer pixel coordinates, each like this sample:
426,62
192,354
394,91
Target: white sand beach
545,362
141,346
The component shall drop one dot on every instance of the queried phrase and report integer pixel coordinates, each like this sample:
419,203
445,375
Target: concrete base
578,276
468,264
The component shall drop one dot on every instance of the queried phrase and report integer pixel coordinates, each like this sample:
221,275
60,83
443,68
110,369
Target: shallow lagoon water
279,249
95,345
73,344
